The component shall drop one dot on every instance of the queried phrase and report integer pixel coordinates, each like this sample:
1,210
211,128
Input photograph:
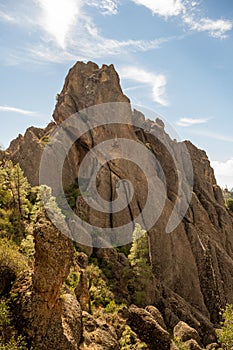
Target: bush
99,291
179,344
4,314
112,307
229,204
72,280
14,344
4,319
72,192
10,257
129,341
27,247
225,335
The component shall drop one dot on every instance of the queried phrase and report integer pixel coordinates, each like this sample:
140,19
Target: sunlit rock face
195,262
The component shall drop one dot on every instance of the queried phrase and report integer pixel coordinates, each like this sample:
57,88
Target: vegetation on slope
20,205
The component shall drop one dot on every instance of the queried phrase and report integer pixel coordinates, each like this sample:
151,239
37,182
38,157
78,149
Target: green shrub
129,341
179,344
27,246
72,192
99,291
17,343
229,204
125,249
10,256
5,319
112,307
45,139
225,335
72,280
4,314
6,223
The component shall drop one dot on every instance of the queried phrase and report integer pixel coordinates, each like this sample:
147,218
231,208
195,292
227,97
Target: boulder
156,314
213,346
192,345
148,329
184,332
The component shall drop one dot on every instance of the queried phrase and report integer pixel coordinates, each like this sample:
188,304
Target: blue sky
174,57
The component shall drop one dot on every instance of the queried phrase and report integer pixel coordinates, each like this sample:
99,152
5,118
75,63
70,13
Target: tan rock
156,314
147,329
213,346
184,332
192,345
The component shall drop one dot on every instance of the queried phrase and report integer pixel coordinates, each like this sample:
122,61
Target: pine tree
139,252
14,204
139,259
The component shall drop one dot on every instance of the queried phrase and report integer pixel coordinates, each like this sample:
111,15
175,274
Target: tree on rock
140,262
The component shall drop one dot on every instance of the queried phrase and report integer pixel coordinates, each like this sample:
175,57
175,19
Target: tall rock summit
192,266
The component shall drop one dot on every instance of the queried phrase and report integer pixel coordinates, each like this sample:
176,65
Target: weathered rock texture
148,329
49,316
27,150
193,266
87,85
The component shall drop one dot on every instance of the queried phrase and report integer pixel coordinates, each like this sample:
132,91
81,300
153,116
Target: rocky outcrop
98,334
49,315
87,85
27,151
184,332
192,345
192,266
148,329
82,290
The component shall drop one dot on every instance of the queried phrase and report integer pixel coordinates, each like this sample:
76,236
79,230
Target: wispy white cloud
224,172
131,88
6,17
76,33
87,43
89,49
157,82
191,121
165,8
107,7
68,33
215,28
18,111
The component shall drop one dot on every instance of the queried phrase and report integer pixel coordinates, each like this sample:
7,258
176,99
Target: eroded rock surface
192,266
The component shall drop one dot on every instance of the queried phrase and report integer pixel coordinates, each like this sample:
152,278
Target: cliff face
194,264
27,150
87,85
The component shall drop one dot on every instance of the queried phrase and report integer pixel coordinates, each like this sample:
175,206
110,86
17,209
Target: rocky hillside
189,272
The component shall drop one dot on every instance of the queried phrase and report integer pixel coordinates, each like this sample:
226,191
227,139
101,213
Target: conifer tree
139,259
14,203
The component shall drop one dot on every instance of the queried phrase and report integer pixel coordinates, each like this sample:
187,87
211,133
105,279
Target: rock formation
192,266
48,315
